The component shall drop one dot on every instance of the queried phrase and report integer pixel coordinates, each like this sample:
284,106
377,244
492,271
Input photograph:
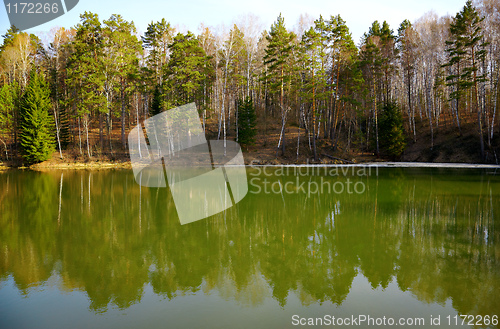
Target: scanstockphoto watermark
204,177
337,179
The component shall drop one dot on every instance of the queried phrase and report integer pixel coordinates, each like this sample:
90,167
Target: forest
307,91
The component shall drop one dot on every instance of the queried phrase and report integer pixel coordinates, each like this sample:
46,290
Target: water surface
92,249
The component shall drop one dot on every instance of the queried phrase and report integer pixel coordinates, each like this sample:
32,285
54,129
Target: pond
362,246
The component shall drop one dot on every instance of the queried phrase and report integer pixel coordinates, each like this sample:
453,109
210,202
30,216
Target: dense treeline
102,76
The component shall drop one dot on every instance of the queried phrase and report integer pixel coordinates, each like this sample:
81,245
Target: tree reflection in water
433,232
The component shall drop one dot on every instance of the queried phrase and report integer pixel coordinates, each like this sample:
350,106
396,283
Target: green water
92,249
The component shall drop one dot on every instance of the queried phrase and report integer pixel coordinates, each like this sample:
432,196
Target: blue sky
188,14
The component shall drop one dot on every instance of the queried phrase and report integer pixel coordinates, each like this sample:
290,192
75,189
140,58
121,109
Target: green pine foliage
187,70
8,38
85,70
392,136
466,50
278,60
156,40
467,54
247,120
37,125
277,57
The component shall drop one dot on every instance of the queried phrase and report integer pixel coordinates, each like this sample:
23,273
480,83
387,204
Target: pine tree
59,49
85,72
466,51
343,53
37,138
8,38
247,120
279,74
408,40
156,40
314,58
122,47
383,38
186,70
371,62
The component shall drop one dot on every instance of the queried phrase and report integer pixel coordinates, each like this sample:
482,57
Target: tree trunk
80,136
57,133
101,131
336,114
283,113
376,120
5,146
497,99
314,123
122,96
139,130
86,126
478,108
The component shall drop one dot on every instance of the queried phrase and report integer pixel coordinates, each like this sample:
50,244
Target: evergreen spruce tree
37,140
64,128
247,120
156,104
8,100
392,139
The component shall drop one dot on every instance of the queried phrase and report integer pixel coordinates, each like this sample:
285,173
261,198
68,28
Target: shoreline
388,165
128,165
